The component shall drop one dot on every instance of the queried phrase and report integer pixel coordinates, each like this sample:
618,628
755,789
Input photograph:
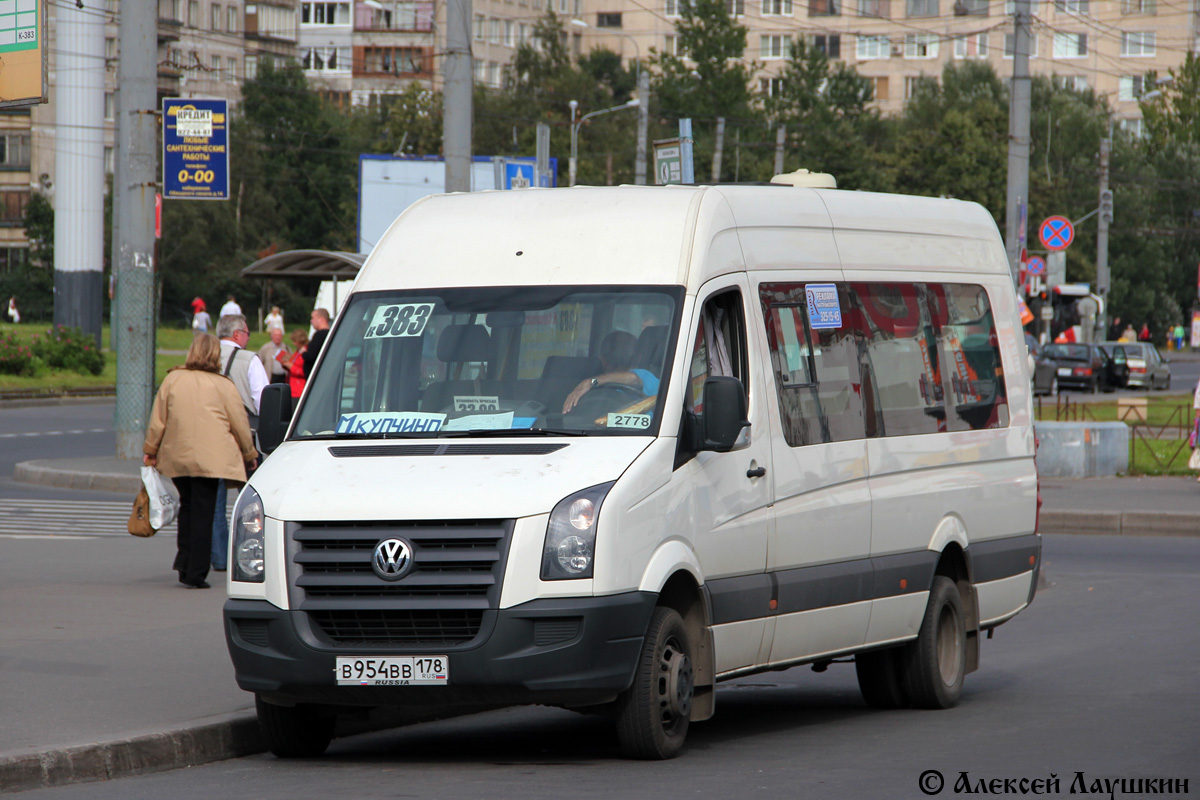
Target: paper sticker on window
481,422
638,421
390,422
399,320
479,403
824,310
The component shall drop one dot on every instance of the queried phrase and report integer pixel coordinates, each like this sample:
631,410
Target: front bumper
562,651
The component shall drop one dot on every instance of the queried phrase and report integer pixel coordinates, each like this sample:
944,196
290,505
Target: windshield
1076,352
495,360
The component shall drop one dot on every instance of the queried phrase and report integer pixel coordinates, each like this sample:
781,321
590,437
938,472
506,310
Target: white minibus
603,448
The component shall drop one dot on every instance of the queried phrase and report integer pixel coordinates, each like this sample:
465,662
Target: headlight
571,535
248,546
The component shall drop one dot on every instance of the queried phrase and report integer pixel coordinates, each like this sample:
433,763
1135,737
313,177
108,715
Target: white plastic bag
164,505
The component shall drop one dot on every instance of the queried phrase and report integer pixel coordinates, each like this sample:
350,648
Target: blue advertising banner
195,149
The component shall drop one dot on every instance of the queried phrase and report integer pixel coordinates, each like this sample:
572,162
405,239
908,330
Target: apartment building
1111,46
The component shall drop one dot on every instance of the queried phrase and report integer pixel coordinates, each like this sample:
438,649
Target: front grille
457,571
408,628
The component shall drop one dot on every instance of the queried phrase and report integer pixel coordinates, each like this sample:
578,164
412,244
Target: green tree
830,127
1172,119
952,138
716,83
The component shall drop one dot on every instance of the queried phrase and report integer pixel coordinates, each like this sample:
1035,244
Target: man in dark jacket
320,323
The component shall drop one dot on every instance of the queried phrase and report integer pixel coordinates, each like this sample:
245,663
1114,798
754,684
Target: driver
616,354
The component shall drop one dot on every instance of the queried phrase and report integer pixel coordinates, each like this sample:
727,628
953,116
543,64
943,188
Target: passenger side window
815,354
719,347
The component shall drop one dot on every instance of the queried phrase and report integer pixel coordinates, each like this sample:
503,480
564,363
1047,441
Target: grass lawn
170,339
1159,457
1174,409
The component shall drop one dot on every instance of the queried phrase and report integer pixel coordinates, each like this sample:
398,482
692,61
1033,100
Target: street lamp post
575,125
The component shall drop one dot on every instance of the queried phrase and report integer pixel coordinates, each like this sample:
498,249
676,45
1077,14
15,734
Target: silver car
1147,369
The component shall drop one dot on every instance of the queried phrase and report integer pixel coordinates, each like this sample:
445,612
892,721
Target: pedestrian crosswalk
65,518
72,517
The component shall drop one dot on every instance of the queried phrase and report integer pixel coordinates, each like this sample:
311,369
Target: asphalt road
1097,677
54,431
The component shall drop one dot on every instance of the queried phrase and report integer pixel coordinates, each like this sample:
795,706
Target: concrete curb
38,472
227,736
1120,523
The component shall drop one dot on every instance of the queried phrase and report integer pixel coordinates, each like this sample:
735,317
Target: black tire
1093,386
935,664
294,732
880,678
653,714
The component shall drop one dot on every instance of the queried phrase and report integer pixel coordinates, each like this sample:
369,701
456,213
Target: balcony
169,29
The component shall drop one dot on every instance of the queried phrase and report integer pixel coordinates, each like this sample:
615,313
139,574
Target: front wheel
936,662
295,731
653,714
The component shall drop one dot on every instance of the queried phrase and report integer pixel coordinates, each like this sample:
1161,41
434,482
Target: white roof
647,234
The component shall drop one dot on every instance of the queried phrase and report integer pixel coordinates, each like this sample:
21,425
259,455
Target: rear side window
897,359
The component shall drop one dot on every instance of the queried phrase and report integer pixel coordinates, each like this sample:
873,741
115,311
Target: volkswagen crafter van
602,448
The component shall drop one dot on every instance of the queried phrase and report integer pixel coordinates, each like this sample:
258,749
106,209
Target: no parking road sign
1056,233
1036,266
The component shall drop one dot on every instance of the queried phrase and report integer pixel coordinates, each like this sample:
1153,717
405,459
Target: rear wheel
294,731
653,714
935,663
880,679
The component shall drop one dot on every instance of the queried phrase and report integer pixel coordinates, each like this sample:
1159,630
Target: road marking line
28,434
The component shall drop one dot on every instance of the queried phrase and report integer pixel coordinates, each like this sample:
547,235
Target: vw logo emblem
392,559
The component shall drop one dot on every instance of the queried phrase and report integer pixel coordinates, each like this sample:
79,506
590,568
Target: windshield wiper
364,435
487,432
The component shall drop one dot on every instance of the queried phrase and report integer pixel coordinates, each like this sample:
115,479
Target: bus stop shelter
324,265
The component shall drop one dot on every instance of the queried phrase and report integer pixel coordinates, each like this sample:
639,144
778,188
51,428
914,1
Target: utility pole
716,164
1102,222
134,189
79,170
780,137
1018,140
639,167
456,96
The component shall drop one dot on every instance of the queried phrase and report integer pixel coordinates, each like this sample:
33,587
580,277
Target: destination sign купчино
195,149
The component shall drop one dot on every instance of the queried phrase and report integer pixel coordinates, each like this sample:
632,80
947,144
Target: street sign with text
195,149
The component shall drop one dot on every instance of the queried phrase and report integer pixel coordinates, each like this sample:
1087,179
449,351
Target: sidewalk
112,669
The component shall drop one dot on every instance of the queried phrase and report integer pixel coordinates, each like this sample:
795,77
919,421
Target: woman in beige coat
198,433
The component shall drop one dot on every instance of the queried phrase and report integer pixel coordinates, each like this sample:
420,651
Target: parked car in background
1088,367
1147,368
1043,369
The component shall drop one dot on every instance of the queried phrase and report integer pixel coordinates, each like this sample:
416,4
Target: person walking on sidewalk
249,377
1194,461
198,435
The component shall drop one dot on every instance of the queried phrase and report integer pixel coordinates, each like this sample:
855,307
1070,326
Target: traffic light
1106,205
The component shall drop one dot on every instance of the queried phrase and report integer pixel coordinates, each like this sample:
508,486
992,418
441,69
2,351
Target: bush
69,349
15,356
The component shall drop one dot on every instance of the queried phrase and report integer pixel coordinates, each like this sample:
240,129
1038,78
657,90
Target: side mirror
724,414
274,414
